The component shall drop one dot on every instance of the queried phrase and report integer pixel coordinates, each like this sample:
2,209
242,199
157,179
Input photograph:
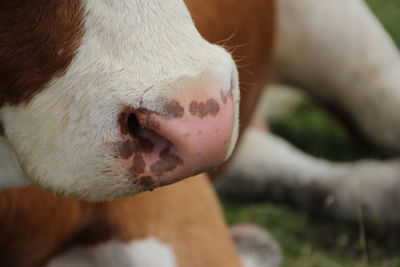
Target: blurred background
307,239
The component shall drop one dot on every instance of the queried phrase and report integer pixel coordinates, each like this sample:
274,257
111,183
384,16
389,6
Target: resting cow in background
337,51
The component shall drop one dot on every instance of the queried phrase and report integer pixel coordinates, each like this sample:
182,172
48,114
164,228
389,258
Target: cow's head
102,99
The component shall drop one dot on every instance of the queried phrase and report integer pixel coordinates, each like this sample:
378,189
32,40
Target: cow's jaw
134,56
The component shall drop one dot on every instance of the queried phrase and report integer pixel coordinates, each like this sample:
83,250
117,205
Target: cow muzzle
184,137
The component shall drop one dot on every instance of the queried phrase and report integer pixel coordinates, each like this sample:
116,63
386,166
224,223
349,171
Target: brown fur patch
35,225
38,40
185,215
56,222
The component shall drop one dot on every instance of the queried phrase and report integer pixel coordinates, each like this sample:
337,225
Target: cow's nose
181,138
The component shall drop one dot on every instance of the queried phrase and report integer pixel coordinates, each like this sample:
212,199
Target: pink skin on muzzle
185,138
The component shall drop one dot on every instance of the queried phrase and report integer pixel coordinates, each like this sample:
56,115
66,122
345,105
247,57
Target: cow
354,71
101,100
169,111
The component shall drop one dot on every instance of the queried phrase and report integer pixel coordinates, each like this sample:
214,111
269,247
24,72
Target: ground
309,241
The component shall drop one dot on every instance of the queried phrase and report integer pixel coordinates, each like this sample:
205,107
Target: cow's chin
116,173
114,183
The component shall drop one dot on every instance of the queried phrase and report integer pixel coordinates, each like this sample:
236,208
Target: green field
308,241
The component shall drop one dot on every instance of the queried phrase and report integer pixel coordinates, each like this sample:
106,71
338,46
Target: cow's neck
36,221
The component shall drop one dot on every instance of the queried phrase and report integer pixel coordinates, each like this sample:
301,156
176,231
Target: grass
311,242
388,12
308,241
316,132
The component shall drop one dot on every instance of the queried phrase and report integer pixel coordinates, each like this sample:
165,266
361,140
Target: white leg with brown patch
148,252
338,50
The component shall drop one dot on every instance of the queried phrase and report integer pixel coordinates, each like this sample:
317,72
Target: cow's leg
339,51
266,166
199,237
177,225
182,222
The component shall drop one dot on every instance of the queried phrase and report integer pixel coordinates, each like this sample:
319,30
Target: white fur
132,53
142,253
338,50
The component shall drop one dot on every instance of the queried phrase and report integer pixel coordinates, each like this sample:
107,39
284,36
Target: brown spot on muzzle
167,162
212,107
201,109
147,120
171,109
126,149
38,40
138,165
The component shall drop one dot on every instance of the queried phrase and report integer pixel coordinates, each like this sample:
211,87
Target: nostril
141,130
149,151
133,125
164,148
143,137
